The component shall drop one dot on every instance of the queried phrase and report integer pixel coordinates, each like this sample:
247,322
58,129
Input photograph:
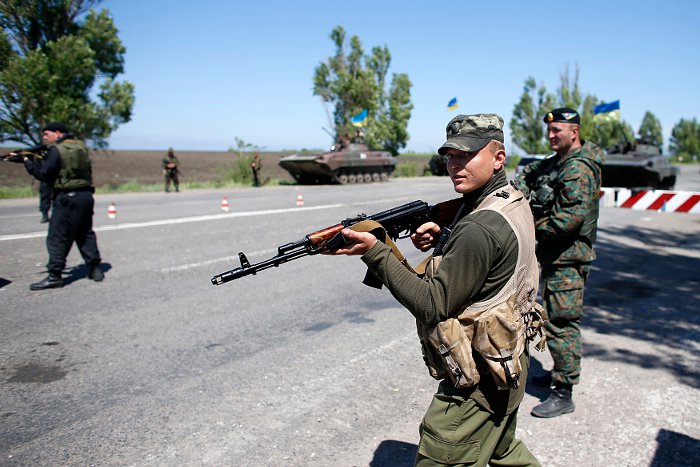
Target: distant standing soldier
171,170
255,166
564,192
67,170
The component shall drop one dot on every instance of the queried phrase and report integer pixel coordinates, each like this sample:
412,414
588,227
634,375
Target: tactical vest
76,169
498,328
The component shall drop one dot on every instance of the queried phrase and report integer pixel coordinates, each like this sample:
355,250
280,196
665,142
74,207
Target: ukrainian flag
360,119
452,104
607,112
605,108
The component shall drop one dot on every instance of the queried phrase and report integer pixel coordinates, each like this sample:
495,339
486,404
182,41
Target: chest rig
491,333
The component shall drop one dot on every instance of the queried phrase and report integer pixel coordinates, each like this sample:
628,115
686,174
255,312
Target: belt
75,190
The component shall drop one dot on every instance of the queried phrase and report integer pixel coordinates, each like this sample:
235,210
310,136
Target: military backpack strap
376,229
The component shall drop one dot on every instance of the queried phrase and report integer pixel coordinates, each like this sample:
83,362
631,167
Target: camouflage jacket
170,160
564,192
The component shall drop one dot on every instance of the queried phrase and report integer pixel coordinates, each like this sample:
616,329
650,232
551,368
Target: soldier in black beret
563,115
67,169
564,192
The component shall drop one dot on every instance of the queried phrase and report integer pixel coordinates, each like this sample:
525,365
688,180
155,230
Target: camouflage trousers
172,175
456,431
562,295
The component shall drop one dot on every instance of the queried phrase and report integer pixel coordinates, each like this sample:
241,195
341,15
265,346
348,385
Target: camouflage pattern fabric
565,226
565,229
171,173
562,294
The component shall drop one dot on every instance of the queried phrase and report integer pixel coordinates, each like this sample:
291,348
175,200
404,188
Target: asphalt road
302,364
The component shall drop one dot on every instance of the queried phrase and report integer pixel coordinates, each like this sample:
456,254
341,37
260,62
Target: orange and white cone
300,200
224,204
112,211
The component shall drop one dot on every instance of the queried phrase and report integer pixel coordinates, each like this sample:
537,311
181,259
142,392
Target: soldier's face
562,136
470,171
50,137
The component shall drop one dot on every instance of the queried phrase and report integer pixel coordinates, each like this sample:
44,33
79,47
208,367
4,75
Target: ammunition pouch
499,334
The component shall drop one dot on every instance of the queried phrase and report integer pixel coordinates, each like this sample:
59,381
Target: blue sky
207,72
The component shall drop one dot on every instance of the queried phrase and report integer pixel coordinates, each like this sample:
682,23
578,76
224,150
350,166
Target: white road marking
182,220
184,267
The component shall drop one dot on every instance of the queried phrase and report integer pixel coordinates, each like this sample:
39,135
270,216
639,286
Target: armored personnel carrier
638,165
353,163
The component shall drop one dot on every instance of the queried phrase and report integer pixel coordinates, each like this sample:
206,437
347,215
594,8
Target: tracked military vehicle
638,165
353,163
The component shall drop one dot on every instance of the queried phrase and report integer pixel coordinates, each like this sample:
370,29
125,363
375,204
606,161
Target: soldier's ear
499,159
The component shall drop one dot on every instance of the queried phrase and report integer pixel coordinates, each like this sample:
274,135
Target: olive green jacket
478,260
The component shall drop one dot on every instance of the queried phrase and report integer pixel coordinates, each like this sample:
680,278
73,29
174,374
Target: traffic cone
224,204
300,200
112,211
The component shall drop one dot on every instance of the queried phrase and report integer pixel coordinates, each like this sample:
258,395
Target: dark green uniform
473,425
564,194
171,171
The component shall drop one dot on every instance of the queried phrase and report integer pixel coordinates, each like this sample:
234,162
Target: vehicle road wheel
376,177
343,178
367,178
384,176
352,178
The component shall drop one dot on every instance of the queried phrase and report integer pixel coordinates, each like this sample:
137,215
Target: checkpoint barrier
652,200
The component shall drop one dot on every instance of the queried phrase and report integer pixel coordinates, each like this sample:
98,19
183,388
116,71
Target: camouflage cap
563,115
470,133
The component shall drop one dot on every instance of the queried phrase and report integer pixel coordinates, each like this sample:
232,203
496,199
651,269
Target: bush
238,172
406,169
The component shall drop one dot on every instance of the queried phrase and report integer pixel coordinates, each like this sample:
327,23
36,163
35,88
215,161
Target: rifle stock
399,222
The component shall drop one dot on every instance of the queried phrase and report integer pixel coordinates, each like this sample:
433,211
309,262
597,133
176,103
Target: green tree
59,62
685,140
353,81
529,132
650,129
527,129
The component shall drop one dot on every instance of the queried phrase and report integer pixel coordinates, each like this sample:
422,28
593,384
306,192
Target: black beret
56,126
563,114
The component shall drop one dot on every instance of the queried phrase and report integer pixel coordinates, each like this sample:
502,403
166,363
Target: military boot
52,281
96,273
44,218
558,403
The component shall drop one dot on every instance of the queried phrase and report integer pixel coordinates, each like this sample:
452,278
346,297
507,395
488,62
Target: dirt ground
118,167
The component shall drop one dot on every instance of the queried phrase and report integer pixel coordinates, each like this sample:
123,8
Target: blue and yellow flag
360,119
609,111
605,108
452,104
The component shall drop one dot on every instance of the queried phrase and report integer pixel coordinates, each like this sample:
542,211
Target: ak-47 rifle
399,222
35,152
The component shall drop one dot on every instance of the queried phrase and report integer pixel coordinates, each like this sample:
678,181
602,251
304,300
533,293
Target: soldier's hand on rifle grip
425,236
359,243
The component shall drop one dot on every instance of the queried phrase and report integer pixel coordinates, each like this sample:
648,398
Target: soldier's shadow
393,453
81,272
536,369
